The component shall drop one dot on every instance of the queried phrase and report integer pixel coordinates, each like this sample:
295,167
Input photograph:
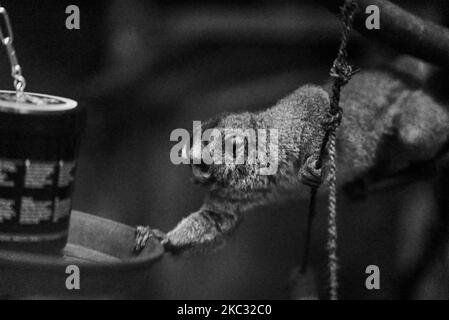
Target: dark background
145,68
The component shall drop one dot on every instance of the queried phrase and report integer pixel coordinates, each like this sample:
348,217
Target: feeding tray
102,250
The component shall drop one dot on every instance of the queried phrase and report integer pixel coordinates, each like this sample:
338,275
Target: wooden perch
403,31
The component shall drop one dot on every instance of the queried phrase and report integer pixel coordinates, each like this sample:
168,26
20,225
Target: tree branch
402,30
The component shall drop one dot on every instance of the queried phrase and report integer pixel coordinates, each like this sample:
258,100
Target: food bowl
100,249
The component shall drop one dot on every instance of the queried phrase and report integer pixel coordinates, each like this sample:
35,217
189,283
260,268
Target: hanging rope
7,39
341,73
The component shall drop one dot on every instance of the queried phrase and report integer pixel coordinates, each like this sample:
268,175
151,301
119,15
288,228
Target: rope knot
342,72
332,121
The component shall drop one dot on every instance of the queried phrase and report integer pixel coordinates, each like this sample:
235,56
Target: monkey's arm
201,229
206,227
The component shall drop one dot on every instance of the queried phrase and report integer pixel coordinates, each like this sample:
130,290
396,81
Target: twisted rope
332,242
341,73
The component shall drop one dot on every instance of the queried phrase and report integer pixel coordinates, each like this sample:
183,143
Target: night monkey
389,123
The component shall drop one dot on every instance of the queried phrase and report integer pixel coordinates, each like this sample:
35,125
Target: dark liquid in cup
39,143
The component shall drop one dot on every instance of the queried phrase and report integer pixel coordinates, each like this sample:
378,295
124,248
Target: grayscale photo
225,156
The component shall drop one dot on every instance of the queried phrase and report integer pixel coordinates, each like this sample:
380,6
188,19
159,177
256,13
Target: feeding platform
101,249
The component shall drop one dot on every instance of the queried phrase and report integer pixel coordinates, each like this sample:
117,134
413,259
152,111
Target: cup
39,145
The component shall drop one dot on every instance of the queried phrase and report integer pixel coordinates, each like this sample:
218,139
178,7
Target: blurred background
144,68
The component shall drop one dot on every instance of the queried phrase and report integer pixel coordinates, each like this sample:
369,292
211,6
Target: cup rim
29,108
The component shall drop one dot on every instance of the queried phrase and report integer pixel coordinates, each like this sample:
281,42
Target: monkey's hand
143,234
310,175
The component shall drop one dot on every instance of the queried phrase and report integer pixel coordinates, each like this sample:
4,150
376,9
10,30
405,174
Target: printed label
38,174
62,209
34,212
66,175
7,168
35,192
7,211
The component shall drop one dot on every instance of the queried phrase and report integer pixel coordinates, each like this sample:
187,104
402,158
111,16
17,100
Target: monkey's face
233,161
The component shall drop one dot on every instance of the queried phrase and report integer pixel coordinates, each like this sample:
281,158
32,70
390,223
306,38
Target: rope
332,244
341,72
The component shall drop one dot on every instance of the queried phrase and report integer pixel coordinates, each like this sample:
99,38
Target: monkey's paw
310,175
143,234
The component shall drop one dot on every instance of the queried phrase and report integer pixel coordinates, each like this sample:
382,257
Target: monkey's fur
389,123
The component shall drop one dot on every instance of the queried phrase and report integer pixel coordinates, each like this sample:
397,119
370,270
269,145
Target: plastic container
39,143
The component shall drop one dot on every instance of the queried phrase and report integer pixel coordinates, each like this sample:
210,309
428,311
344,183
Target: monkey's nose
202,173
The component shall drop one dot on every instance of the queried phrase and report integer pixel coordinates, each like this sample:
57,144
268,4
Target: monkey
390,123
